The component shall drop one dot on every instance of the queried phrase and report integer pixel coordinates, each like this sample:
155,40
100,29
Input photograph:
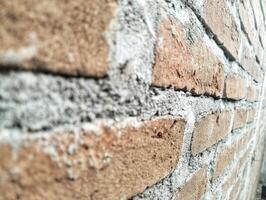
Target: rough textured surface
210,129
114,137
235,87
116,164
218,17
240,118
186,64
195,187
223,160
64,37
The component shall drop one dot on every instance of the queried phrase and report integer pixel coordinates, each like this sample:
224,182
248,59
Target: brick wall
132,99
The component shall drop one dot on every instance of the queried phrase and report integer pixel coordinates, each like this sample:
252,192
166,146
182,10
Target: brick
209,130
252,93
186,65
234,192
55,36
248,62
217,15
115,164
251,115
235,87
195,187
223,159
246,15
240,118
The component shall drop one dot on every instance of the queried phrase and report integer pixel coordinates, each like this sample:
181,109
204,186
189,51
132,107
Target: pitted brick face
185,65
218,17
65,37
235,87
210,129
195,187
117,164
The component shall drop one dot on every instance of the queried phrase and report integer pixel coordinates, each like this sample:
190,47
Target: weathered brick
251,115
186,65
235,190
235,87
195,187
246,15
252,93
248,62
116,164
223,159
60,37
210,129
240,118
217,15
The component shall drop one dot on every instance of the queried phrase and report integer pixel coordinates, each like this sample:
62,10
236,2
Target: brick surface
223,160
55,36
251,115
246,15
248,62
240,118
252,93
235,190
210,129
117,164
186,65
235,87
195,187
217,15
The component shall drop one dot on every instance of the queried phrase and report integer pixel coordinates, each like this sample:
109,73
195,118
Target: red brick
240,118
63,37
210,129
235,87
186,65
118,163
195,187
217,15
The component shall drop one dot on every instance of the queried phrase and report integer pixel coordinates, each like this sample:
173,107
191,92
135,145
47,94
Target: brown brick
209,130
56,36
217,15
186,65
235,87
223,159
195,187
252,93
116,164
240,118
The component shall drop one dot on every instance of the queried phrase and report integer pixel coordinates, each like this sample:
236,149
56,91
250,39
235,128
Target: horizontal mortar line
213,36
189,94
4,69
